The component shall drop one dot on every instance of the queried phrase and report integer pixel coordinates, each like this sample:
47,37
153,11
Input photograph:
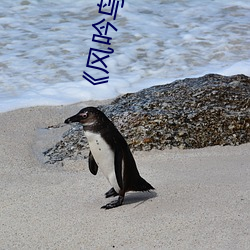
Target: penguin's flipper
111,193
93,167
118,166
115,203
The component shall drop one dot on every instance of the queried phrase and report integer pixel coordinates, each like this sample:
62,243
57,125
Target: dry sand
201,201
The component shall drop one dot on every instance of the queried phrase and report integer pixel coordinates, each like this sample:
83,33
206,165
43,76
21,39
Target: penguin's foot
113,204
111,193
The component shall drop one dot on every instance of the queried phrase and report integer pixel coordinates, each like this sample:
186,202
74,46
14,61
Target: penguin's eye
84,115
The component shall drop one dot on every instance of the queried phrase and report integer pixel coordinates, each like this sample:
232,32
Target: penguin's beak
74,118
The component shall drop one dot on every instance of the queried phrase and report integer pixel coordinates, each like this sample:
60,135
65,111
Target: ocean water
45,45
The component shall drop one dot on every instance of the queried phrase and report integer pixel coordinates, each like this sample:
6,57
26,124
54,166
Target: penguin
110,152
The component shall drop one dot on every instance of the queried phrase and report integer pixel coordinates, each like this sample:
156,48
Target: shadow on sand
138,198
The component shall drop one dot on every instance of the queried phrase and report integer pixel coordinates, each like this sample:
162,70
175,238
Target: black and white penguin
110,152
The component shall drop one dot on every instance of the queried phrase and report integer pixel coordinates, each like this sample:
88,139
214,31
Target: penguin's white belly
104,157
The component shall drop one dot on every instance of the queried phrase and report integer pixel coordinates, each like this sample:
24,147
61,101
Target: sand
201,200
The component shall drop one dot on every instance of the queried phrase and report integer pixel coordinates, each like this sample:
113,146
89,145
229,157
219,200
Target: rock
190,113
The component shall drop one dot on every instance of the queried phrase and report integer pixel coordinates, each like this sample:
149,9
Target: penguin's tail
141,185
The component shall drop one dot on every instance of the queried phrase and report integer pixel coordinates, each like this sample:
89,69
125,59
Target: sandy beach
201,198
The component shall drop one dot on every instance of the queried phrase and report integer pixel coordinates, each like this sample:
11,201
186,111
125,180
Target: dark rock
190,113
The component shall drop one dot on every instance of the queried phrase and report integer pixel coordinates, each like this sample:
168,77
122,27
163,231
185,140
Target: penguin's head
88,117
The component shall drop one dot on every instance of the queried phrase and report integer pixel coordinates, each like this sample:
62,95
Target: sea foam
45,45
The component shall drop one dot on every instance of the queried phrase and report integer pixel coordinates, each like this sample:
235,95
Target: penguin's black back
132,180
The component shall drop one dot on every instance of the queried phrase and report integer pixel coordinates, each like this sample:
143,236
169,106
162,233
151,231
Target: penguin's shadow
137,198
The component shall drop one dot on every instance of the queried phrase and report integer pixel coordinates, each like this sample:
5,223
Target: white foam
45,45
242,67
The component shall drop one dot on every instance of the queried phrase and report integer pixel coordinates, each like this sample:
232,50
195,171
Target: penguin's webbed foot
113,204
111,193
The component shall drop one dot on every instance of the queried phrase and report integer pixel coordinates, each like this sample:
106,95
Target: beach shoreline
201,199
